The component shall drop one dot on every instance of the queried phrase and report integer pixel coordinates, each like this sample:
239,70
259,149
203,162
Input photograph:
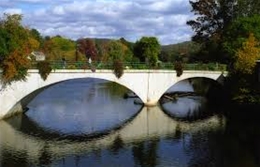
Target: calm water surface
88,123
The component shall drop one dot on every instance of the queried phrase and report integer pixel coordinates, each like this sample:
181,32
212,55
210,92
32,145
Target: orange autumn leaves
247,55
15,66
19,43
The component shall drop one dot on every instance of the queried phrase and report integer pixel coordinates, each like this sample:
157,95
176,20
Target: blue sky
131,19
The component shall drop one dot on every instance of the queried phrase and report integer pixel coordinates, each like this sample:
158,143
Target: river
89,123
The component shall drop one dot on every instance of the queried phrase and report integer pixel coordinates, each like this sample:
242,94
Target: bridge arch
148,85
171,80
19,94
191,80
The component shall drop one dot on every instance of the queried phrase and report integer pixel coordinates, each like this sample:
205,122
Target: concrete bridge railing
148,85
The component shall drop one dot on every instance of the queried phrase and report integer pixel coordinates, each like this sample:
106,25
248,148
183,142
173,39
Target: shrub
44,68
178,66
118,68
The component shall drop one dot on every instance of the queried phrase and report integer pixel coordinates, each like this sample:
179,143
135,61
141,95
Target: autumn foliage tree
230,29
58,47
241,42
247,55
16,46
88,48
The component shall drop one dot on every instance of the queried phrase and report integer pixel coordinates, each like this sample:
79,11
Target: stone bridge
148,85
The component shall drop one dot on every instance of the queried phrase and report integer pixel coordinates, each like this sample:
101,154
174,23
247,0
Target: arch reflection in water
82,107
188,108
194,99
151,124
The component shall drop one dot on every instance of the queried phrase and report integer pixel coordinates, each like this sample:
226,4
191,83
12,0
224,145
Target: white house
39,56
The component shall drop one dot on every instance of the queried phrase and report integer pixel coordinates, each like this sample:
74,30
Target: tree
115,51
16,47
247,55
241,42
214,16
3,44
59,47
238,32
88,48
116,55
213,19
118,50
35,34
147,49
246,8
34,44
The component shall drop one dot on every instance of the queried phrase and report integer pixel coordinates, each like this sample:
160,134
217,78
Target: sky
130,19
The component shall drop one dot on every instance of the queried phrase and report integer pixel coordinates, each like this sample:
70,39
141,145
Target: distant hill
183,46
184,51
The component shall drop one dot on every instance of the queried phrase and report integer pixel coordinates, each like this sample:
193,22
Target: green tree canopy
214,16
59,47
238,32
147,49
115,51
3,43
37,36
63,44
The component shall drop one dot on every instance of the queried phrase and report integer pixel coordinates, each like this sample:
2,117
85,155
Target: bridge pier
151,103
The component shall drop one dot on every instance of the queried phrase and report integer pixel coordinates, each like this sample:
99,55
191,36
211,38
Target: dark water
88,123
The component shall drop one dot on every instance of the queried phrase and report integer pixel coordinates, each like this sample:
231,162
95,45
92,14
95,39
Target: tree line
17,42
228,31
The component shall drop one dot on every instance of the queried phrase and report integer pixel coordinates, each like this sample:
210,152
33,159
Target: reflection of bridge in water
150,123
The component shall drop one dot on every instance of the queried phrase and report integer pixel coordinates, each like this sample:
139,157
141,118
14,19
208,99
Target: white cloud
13,11
165,19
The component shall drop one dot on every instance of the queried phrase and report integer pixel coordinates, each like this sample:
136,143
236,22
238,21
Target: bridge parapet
132,65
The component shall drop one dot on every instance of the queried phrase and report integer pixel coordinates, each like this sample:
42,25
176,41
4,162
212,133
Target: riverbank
247,111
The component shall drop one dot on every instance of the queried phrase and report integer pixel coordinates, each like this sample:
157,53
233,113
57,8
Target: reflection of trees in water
210,89
45,156
117,145
95,88
103,90
204,148
238,145
197,109
244,140
207,101
145,153
116,89
200,85
13,158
